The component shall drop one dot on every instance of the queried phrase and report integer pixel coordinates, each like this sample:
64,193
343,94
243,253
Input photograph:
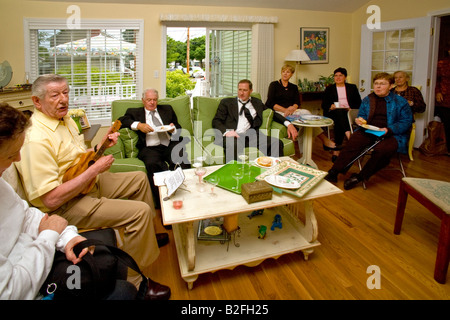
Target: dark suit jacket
330,96
227,114
166,113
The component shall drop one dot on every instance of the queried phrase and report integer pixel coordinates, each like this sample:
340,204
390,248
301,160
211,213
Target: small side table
308,139
90,133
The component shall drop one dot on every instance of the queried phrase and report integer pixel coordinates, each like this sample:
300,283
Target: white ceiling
316,5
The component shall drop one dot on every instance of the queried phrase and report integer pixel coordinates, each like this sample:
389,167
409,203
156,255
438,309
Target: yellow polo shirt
50,148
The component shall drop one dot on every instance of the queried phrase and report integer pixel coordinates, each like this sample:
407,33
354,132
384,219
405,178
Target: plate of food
370,127
164,128
310,117
282,182
266,162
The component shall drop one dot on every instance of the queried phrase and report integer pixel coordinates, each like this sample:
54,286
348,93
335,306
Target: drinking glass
177,203
243,158
214,180
198,163
200,172
237,174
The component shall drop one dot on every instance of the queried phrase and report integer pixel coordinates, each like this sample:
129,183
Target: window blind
101,64
231,56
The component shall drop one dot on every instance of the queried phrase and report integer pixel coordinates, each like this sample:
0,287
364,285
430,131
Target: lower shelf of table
211,256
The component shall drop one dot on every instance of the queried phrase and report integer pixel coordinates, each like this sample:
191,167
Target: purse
94,277
435,144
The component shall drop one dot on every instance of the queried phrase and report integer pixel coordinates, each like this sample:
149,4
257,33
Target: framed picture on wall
84,122
315,43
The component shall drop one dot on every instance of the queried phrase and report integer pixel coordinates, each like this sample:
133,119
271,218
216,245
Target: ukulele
87,159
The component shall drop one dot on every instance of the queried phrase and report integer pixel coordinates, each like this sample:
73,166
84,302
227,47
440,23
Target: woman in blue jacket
392,115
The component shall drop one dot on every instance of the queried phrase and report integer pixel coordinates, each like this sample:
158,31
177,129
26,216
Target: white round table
308,138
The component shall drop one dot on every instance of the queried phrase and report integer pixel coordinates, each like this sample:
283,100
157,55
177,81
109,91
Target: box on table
256,191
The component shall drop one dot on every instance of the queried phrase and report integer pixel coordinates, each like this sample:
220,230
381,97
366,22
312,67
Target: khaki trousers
119,200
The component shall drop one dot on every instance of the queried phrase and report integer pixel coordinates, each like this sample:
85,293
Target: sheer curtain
262,57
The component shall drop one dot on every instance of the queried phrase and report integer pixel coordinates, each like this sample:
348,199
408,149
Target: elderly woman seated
392,115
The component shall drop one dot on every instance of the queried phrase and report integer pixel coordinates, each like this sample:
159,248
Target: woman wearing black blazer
348,97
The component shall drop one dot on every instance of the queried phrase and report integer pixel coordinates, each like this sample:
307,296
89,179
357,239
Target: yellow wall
287,31
344,29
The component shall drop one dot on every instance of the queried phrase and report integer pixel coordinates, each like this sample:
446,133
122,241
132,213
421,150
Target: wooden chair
435,196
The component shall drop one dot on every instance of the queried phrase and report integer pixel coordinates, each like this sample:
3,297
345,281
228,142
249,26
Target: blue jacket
399,117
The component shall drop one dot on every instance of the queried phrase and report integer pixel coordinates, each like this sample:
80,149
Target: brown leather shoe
162,238
156,291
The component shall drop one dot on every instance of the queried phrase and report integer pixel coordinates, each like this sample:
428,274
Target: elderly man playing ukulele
53,148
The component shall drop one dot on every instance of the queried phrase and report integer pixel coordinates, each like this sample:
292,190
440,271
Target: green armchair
204,110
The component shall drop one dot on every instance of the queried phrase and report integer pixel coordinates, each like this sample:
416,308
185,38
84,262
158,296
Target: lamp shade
297,55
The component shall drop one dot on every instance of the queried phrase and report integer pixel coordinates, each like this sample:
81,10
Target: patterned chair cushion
436,191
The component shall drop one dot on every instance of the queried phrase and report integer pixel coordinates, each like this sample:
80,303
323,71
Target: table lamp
297,56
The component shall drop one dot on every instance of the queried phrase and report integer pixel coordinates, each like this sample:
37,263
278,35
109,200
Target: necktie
246,112
161,135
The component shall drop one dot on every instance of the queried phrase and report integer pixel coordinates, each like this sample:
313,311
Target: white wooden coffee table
298,233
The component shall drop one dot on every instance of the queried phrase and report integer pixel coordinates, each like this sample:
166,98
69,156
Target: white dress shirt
26,256
152,138
243,124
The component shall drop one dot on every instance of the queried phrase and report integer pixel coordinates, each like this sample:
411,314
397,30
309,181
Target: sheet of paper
160,177
173,180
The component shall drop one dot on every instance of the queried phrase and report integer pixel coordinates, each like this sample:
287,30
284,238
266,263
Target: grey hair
150,89
39,88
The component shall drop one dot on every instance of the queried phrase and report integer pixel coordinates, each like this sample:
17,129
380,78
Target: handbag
94,277
435,144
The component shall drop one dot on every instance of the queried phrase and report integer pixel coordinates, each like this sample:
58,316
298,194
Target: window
393,50
101,61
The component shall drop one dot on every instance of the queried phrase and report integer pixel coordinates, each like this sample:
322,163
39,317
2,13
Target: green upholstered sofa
196,123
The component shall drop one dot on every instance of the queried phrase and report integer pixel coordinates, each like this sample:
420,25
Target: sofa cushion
182,107
129,139
119,107
205,108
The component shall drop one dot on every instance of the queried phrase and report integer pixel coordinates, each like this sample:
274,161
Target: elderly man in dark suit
238,120
159,132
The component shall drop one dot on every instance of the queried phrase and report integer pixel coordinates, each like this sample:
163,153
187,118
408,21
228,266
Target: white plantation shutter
230,53
102,60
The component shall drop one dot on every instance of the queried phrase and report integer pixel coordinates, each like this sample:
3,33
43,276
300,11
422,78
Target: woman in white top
28,237
337,100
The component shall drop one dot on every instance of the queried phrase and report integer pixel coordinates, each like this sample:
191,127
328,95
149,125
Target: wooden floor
356,231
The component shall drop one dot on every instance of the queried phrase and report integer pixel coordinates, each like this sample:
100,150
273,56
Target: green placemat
226,173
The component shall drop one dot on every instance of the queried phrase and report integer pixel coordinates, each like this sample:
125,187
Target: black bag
435,144
97,273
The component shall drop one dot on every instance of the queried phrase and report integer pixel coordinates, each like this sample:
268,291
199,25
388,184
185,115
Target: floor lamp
298,56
